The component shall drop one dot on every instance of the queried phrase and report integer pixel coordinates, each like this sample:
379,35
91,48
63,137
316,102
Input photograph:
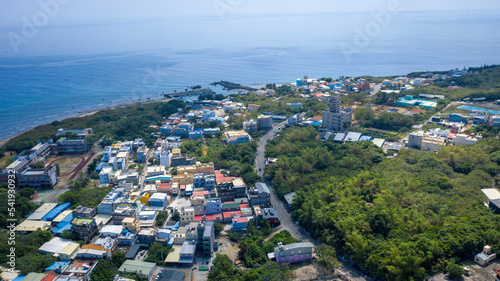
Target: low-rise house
179,236
142,269
91,251
105,176
260,195
229,207
183,160
155,171
195,135
491,194
485,257
457,117
495,206
147,218
112,231
292,253
79,270
237,137
163,236
127,237
228,216
246,212
271,216
57,245
142,154
289,199
187,252
198,200
122,212
326,136
433,143
462,139
183,179
495,120
353,136
213,206
240,224
339,138
32,225
69,252
204,168
58,266
147,235
158,199
165,188
295,119
81,133
253,107
379,142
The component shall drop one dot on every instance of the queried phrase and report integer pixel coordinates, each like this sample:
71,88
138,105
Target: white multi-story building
187,215
105,175
250,126
336,118
462,139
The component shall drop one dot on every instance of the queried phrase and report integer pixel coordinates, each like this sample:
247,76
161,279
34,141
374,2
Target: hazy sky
98,11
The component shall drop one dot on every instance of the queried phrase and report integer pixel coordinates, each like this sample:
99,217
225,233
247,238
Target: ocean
64,71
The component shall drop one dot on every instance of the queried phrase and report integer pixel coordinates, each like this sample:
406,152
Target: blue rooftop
68,218
58,266
50,216
61,227
471,108
155,178
364,138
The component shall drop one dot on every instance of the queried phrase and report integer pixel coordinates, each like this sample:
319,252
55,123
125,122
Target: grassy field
455,109
69,161
4,161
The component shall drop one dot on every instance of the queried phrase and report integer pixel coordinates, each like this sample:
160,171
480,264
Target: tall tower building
335,103
336,118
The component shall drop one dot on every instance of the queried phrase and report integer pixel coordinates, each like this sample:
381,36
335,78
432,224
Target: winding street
286,220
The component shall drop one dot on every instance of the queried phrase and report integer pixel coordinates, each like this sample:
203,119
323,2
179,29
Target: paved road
376,89
142,177
285,218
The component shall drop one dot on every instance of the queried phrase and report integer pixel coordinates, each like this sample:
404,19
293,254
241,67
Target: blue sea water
67,70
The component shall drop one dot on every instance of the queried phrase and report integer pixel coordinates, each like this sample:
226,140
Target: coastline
83,114
94,111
